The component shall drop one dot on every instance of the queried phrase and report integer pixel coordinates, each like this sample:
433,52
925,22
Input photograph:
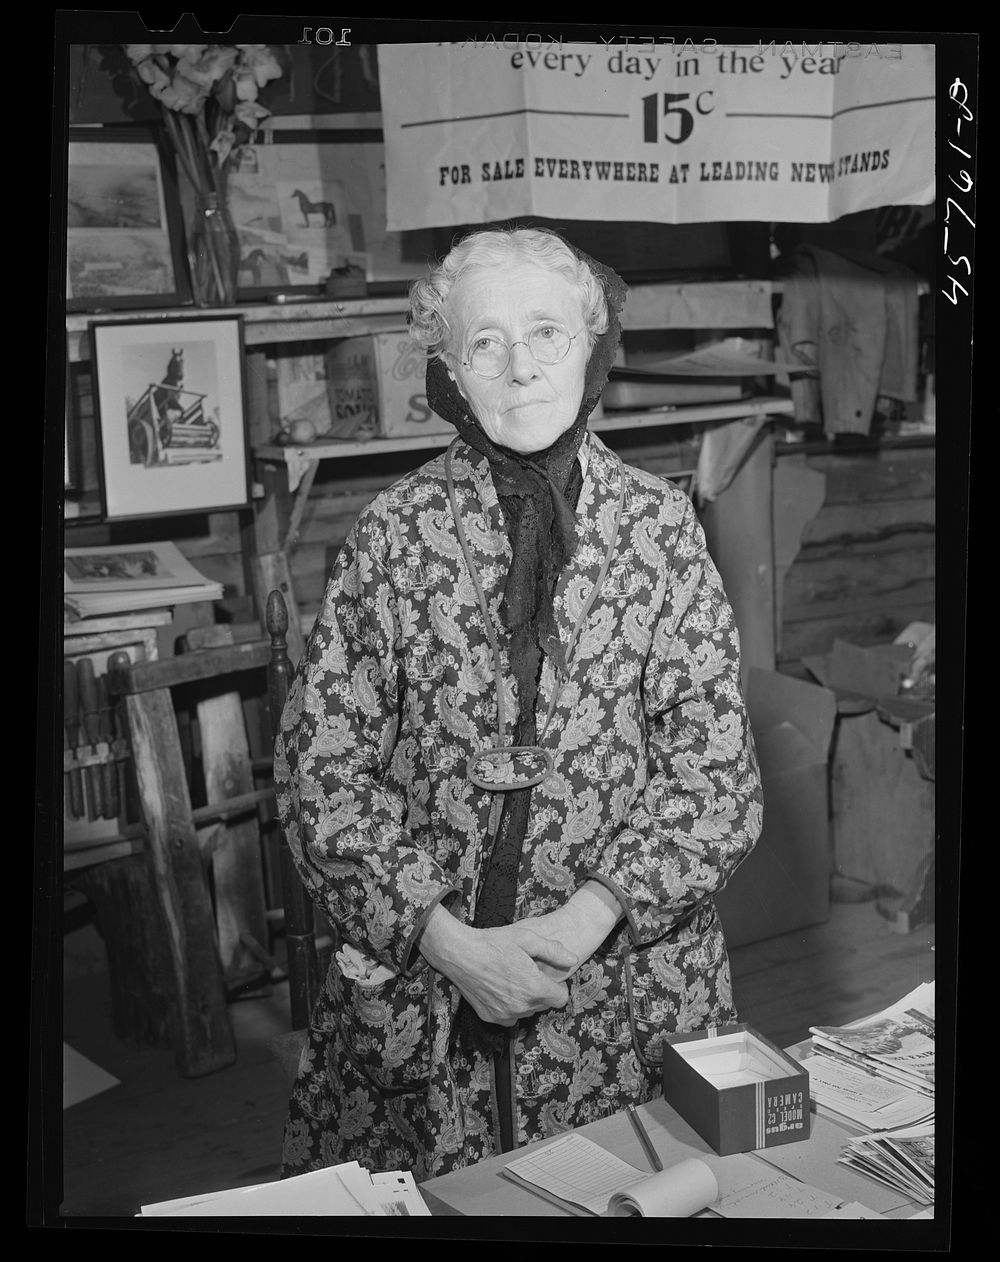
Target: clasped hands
516,970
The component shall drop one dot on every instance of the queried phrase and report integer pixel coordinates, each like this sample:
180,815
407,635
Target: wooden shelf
299,458
657,305
265,323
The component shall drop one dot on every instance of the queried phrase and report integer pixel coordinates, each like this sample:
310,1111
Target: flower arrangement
209,94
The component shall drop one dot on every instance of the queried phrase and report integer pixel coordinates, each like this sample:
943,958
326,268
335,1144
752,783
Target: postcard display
306,208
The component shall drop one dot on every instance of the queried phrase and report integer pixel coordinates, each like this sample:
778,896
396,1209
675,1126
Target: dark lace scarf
538,494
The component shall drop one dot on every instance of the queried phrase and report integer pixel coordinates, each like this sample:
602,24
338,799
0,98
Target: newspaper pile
344,1190
877,1076
120,578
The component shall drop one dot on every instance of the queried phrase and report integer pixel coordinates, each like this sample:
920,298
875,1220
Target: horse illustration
252,263
166,396
257,260
168,424
307,208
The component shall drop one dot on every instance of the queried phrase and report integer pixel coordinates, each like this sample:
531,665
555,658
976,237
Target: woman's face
530,404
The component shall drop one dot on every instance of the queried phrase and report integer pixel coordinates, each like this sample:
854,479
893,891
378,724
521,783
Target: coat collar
483,521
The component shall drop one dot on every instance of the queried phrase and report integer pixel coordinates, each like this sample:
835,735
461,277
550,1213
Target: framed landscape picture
171,415
124,238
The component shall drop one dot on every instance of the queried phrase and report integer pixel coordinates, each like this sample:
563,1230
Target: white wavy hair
500,247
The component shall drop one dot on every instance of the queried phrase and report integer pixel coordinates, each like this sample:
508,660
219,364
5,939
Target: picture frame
170,408
124,230
309,205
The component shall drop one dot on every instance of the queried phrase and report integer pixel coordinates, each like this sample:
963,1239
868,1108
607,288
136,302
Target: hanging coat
654,791
854,318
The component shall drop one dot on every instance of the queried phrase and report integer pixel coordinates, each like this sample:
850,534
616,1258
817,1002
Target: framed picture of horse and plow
171,415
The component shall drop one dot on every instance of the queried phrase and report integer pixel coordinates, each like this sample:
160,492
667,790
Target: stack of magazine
903,1159
121,578
877,1076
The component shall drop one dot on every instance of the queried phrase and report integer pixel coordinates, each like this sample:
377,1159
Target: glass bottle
215,253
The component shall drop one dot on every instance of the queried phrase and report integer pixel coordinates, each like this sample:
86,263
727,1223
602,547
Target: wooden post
200,1032
272,573
738,529
128,916
237,867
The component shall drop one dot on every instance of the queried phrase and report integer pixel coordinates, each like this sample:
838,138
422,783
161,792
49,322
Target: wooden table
481,1190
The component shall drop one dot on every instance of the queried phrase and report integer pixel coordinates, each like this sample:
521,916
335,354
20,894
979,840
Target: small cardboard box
352,395
300,386
379,380
784,883
634,395
736,1088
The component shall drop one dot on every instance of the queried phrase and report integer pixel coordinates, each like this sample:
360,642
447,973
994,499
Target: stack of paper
903,1159
897,1044
117,578
877,1075
852,1094
337,1191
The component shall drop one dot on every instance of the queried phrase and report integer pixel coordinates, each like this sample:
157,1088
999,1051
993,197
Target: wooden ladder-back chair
183,966
179,891
300,920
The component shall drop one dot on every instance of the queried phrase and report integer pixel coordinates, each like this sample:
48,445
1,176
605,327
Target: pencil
644,1139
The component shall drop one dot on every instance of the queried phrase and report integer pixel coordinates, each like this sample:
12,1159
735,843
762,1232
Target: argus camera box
736,1088
378,380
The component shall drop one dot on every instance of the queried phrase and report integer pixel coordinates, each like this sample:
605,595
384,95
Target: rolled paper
678,1192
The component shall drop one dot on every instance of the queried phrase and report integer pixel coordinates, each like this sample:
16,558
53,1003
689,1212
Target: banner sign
793,133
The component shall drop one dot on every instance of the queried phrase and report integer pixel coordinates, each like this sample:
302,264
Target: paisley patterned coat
654,792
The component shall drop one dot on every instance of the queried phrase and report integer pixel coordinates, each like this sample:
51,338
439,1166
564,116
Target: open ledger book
580,1175
584,1178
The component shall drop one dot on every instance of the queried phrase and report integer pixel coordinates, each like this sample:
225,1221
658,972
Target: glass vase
214,251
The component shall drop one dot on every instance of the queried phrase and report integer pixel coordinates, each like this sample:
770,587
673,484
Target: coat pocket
384,1026
680,983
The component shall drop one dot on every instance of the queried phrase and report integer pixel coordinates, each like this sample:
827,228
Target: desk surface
481,1190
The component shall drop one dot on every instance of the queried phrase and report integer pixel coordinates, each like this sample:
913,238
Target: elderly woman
515,763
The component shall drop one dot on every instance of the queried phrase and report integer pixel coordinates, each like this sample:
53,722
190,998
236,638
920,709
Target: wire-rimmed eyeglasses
548,342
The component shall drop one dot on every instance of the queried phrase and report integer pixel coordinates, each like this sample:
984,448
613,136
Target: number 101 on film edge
324,35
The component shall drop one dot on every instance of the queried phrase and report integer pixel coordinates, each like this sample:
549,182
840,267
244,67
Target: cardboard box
871,670
883,803
378,380
352,394
736,1088
784,883
634,395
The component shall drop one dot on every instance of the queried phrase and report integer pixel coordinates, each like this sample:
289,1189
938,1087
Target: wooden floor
155,1135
